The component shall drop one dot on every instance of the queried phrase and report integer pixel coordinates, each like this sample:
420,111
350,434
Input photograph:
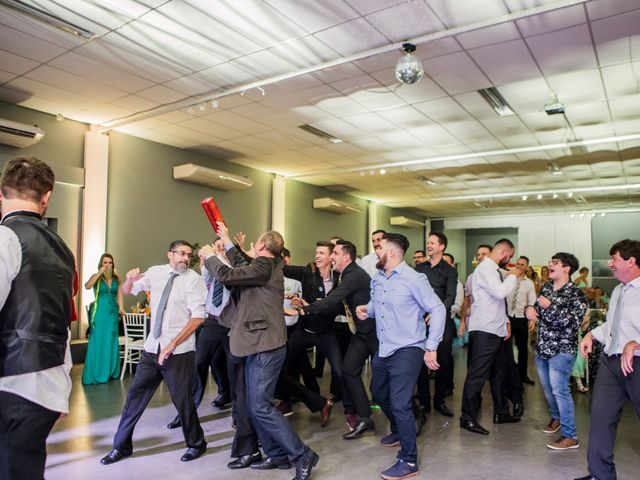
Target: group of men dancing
350,309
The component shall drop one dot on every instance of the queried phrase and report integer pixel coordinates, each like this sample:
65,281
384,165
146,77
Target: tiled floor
446,453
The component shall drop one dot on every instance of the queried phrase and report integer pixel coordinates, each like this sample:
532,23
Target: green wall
488,236
457,246
415,235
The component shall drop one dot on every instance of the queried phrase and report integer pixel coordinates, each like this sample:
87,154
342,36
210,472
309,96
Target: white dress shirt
629,321
489,292
457,303
368,263
186,301
49,388
291,286
210,283
526,295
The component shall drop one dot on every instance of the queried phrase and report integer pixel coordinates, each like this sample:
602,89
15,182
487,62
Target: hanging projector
409,67
555,108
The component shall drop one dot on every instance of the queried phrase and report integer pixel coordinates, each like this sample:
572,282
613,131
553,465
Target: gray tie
162,306
614,331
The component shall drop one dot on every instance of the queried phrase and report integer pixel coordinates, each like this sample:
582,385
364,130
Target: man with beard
177,310
400,297
369,261
488,331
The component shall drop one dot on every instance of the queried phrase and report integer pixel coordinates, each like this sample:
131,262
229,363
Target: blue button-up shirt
211,283
399,302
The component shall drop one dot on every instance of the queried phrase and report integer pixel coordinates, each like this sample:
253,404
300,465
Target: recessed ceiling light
582,215
572,215
524,197
382,171
539,196
555,195
570,194
603,214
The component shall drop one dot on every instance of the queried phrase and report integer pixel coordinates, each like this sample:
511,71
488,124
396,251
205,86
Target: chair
135,331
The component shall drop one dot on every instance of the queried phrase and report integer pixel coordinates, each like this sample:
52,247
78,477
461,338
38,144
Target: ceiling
182,73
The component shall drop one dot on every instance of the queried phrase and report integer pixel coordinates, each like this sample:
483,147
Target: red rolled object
213,212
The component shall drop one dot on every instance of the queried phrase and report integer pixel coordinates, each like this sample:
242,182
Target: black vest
34,320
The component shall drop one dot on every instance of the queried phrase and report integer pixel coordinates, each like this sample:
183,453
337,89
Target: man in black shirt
443,278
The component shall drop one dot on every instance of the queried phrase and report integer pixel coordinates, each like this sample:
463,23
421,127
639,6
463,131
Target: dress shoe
363,426
325,413
352,420
528,381
244,461
175,423
270,463
113,456
192,453
505,418
221,401
518,409
473,427
552,427
305,463
564,443
443,409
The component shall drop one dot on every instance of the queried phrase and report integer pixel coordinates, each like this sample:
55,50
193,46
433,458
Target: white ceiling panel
408,20
622,80
54,76
610,8
27,46
455,14
15,63
576,87
564,50
312,15
456,73
505,63
503,32
352,37
549,22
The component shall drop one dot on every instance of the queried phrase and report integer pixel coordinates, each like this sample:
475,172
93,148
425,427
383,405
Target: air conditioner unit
19,135
335,206
190,172
403,221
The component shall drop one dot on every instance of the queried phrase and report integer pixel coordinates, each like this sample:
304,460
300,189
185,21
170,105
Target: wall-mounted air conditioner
402,221
335,206
19,135
190,172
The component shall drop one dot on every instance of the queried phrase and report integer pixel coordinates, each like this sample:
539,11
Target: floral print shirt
560,321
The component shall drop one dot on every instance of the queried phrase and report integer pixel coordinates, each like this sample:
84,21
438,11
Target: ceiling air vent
319,133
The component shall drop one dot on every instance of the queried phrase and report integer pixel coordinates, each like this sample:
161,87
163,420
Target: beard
182,267
382,261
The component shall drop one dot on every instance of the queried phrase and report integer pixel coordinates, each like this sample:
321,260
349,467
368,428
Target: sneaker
400,470
390,440
552,427
563,443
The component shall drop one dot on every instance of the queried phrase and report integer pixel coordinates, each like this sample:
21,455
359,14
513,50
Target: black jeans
301,367
177,372
210,353
485,361
360,348
513,388
444,375
24,428
520,335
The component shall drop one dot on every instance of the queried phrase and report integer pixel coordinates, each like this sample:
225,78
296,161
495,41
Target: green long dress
102,362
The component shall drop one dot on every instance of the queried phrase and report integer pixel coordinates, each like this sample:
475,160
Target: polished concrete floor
445,451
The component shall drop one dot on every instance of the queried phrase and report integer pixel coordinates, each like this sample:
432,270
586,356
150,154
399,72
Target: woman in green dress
102,362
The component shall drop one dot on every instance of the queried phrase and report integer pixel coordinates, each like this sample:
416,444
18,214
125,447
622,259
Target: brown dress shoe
552,427
325,413
563,443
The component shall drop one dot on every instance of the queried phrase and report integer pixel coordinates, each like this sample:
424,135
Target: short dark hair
442,238
584,269
524,258
348,247
568,260
453,260
27,178
626,249
285,252
398,240
484,245
178,243
421,252
378,231
504,241
325,243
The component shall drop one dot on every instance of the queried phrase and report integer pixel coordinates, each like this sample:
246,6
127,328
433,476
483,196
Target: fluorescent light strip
466,156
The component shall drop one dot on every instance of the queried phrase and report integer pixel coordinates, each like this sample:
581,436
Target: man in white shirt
488,331
481,252
177,310
369,261
618,378
36,281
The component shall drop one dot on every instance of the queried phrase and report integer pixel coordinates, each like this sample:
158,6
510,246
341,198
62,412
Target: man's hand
134,275
207,250
430,360
531,314
626,361
532,325
252,250
586,345
299,302
165,353
223,231
461,328
508,332
240,237
361,312
544,302
290,312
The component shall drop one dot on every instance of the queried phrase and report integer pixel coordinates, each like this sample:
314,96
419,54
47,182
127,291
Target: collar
635,283
24,213
399,269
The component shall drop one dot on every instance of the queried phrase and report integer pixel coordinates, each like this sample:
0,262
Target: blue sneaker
390,440
400,470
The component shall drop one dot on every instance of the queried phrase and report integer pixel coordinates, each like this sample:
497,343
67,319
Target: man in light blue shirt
400,298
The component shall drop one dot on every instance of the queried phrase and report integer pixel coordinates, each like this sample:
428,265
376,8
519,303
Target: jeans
392,384
276,436
554,375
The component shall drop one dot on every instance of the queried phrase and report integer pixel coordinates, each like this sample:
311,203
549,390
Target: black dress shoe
588,477
113,456
175,423
518,409
304,465
362,427
528,381
244,461
221,401
443,409
473,427
270,463
506,418
325,413
192,453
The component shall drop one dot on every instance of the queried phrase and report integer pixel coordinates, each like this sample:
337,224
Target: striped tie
216,298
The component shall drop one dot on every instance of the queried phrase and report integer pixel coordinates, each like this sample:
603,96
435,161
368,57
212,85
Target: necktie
162,306
216,298
352,325
614,331
514,301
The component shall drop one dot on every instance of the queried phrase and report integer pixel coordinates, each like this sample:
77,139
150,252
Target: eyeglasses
182,253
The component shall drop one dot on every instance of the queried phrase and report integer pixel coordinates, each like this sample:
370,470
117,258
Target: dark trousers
302,367
444,375
360,348
611,391
210,353
24,428
485,362
297,345
520,334
177,372
277,437
513,388
343,337
392,384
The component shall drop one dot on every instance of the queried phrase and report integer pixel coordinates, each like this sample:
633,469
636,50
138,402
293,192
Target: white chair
135,331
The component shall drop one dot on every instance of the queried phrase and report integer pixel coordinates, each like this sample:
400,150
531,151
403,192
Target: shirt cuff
228,246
